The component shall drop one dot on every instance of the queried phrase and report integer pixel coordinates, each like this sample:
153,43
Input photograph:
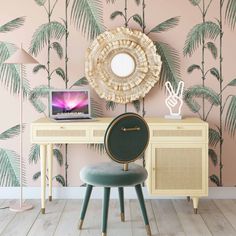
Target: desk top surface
105,120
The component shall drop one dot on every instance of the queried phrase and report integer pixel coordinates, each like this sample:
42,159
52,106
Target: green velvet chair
126,139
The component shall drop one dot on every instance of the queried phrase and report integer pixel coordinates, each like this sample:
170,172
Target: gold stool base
81,224
43,210
148,229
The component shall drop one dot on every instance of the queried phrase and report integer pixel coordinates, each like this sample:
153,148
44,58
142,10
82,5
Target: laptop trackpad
76,120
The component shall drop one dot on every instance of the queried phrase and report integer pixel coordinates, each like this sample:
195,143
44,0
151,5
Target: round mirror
122,65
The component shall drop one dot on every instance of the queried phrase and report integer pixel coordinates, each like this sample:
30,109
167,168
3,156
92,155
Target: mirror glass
122,65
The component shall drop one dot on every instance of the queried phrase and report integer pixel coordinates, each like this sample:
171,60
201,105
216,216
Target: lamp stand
21,206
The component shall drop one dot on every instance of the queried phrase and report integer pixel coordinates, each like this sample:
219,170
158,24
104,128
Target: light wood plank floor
167,217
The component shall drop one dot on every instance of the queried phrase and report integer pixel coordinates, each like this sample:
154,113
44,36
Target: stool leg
105,210
122,208
139,192
89,189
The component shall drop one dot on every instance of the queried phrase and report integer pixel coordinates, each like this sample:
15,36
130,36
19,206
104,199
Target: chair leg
139,192
88,192
105,210
122,207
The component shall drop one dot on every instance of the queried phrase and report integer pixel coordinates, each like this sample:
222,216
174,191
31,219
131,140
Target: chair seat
111,174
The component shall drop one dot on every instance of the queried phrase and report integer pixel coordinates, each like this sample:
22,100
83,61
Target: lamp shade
21,57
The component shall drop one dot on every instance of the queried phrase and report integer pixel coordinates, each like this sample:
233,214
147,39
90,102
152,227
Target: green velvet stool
126,139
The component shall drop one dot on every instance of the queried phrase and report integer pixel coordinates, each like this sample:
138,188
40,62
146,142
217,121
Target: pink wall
157,11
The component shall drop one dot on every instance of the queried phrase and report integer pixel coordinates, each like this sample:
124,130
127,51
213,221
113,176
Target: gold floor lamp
21,57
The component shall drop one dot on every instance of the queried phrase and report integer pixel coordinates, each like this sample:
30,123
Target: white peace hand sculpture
174,101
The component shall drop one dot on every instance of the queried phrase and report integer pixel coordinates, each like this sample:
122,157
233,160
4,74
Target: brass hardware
130,129
122,216
126,167
148,229
43,210
81,224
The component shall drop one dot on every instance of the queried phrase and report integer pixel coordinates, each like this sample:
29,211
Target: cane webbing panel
177,133
178,168
99,133
61,133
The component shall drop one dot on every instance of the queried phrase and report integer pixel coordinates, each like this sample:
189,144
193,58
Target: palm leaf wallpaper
196,42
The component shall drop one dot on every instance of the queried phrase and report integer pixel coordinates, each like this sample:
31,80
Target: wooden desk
177,155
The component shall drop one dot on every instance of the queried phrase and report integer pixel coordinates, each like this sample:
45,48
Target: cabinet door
179,169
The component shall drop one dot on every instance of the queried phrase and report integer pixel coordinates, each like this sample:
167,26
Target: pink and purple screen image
73,102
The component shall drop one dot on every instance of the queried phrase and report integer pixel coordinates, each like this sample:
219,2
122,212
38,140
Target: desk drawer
98,134
62,134
179,133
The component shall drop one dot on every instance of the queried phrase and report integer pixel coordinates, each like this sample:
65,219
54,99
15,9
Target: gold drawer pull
130,129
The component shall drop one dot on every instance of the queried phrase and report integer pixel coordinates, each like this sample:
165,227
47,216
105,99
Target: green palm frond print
9,75
138,19
58,49
87,16
198,91
230,120
166,25
213,49
203,55
170,70
207,29
36,95
10,133
51,30
9,168
208,35
80,82
40,2
9,160
34,154
214,137
230,13
213,156
12,25
10,79
195,2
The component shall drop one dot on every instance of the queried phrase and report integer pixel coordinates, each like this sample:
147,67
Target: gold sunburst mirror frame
122,65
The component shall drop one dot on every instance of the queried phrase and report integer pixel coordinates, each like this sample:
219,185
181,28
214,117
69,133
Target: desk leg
50,169
43,176
195,204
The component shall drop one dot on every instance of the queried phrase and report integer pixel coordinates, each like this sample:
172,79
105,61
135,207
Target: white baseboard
78,193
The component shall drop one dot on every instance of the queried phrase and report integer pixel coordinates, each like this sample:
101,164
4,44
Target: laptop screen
70,103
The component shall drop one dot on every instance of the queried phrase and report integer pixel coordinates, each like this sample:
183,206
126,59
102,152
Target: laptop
69,105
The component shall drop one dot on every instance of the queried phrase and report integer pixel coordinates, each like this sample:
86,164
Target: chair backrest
126,138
